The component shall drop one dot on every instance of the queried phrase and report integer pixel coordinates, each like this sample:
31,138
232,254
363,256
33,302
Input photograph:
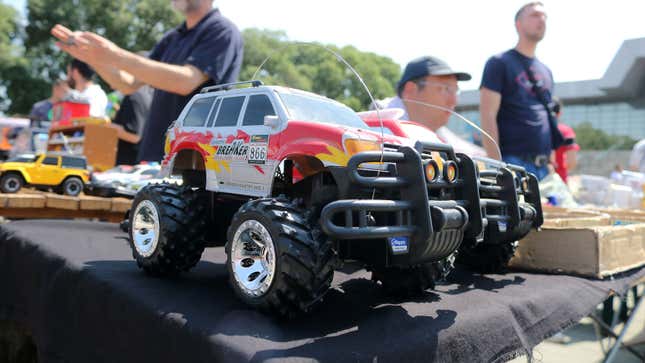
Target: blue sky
582,36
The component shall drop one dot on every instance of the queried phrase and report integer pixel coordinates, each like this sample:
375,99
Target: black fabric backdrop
76,287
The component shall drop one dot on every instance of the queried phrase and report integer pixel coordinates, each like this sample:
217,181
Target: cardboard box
572,244
556,217
623,216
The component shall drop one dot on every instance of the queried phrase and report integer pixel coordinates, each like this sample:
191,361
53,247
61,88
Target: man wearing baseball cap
430,81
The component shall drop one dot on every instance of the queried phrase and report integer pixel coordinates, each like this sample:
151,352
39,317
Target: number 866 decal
257,154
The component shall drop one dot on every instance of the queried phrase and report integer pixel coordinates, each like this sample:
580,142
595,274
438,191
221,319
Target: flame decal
211,162
166,146
241,135
334,156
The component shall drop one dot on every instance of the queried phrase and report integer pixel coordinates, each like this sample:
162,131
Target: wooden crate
96,203
121,205
62,202
37,205
25,201
98,143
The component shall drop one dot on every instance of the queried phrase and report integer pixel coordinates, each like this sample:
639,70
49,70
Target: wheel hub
11,184
253,258
72,188
145,228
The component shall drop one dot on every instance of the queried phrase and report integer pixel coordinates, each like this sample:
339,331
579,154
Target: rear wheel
11,182
72,186
277,262
167,227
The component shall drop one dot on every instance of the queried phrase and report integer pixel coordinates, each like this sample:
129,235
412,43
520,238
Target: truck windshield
305,108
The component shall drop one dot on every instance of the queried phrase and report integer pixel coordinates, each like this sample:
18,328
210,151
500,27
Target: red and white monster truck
509,199
293,183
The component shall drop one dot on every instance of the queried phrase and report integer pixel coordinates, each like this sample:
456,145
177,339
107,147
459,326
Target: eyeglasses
446,89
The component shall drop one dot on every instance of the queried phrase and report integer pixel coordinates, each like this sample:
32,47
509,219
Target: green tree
132,24
13,65
313,68
590,138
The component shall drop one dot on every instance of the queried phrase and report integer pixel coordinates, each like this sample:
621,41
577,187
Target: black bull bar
435,228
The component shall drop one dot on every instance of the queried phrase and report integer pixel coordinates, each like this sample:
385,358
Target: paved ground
584,346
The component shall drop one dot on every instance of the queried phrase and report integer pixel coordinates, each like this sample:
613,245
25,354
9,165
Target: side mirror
271,121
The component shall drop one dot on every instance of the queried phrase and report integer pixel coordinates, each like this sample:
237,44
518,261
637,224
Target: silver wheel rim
72,188
145,228
12,184
253,258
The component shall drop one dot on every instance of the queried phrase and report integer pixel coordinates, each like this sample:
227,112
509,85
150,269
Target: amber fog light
431,170
525,185
450,171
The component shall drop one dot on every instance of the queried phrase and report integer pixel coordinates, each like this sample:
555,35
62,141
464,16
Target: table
75,286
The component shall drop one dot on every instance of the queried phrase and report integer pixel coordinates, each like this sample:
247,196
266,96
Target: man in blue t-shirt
205,50
511,111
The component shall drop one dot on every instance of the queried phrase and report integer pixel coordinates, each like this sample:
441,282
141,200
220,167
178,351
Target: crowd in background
519,114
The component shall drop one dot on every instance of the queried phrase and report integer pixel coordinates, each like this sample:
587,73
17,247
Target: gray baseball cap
428,66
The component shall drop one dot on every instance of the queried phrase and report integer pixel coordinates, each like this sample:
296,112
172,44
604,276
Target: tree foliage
132,24
590,138
313,68
35,62
13,65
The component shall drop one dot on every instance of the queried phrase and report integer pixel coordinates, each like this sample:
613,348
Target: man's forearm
169,77
118,79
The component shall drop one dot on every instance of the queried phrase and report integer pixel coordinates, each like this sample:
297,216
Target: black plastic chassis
506,216
428,214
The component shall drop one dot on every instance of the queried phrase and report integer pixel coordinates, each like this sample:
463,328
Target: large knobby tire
277,261
11,182
488,258
72,186
167,228
414,280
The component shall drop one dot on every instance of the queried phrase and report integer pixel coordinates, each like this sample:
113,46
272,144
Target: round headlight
431,170
450,173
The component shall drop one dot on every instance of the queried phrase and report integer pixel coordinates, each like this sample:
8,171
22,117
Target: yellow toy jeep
66,174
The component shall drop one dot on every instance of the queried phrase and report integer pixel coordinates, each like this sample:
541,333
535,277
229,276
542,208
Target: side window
211,119
73,163
50,160
229,111
198,112
258,107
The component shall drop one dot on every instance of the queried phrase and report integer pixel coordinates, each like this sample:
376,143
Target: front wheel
167,228
276,261
11,182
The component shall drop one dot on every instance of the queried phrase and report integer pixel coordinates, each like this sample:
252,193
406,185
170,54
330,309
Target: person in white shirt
79,78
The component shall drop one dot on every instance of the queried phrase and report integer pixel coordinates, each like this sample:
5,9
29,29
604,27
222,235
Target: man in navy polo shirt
205,50
511,109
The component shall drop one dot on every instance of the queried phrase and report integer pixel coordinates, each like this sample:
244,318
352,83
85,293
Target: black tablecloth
76,287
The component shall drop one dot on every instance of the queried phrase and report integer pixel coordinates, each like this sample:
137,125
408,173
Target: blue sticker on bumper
399,245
